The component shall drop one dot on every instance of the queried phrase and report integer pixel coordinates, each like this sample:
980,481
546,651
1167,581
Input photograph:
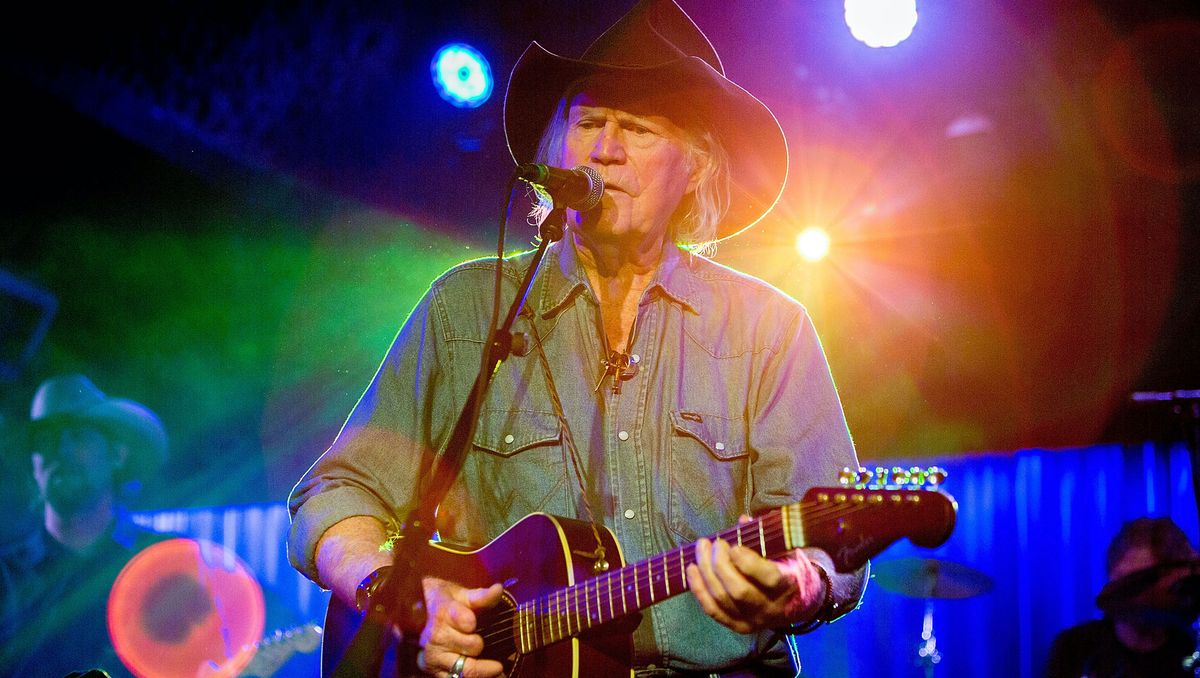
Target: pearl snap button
635,358
629,513
720,446
623,435
509,438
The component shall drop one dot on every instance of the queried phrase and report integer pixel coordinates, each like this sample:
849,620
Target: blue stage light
462,76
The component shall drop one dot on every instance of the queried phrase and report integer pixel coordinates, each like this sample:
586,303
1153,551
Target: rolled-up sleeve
385,446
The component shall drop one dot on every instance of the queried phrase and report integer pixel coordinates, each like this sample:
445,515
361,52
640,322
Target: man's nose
610,145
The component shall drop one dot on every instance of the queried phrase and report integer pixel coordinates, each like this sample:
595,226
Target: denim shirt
730,409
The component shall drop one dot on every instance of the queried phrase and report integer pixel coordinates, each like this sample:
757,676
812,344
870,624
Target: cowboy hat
74,398
656,45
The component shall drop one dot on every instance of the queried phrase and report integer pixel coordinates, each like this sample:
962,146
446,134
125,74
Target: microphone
579,189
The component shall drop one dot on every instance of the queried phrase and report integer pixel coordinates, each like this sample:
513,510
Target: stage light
462,76
813,243
881,23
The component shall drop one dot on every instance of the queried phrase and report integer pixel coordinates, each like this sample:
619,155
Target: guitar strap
601,563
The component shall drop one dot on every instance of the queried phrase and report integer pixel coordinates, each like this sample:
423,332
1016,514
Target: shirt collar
563,277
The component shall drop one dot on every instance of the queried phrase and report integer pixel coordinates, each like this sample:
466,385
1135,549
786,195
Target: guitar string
564,605
571,599
554,613
569,611
603,586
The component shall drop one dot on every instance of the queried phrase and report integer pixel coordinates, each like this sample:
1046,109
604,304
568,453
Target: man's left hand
748,593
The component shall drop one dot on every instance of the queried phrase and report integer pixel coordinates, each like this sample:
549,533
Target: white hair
694,223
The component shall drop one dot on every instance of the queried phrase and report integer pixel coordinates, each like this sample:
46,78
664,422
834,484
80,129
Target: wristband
369,586
825,613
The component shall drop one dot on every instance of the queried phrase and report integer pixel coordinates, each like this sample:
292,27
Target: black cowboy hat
657,45
73,398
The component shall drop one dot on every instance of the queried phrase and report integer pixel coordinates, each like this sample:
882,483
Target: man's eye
586,124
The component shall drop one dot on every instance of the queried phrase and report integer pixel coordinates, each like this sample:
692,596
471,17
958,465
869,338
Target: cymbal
930,578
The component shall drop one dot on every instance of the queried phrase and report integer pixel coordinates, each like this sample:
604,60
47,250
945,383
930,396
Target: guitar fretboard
570,611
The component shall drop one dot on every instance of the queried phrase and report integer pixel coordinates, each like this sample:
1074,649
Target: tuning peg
900,476
917,477
847,476
864,476
936,476
881,476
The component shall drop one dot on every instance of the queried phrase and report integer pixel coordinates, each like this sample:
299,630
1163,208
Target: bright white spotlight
881,23
813,243
463,77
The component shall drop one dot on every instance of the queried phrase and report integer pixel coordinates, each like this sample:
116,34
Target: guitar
562,608
273,651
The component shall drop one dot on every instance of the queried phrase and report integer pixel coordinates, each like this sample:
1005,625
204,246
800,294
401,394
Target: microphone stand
403,586
419,526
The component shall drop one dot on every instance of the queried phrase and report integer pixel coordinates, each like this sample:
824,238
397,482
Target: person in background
89,454
1150,606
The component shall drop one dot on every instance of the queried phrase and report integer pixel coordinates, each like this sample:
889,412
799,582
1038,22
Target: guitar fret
612,612
520,628
667,578
650,578
575,609
682,571
587,604
624,605
561,613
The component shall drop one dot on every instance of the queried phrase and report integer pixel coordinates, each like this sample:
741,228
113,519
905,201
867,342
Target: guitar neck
570,611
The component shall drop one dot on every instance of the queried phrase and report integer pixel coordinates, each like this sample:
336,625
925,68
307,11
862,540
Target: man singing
664,397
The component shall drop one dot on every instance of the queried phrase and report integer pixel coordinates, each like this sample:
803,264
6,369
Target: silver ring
457,669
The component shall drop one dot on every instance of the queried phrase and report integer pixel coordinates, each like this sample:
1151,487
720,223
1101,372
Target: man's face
74,466
643,158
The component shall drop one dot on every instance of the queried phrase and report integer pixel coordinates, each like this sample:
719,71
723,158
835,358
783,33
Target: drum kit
930,579
1165,594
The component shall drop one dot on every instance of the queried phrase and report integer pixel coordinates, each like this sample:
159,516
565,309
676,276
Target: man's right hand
450,629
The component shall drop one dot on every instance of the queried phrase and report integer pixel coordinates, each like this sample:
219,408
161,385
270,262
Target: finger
439,663
481,599
710,582
741,590
709,605
482,668
443,639
761,573
707,560
743,519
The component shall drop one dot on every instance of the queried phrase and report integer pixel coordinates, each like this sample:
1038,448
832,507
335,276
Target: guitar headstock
873,508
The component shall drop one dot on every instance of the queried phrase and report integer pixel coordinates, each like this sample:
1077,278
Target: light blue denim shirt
732,409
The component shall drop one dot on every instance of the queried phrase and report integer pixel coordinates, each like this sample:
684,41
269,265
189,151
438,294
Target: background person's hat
657,46
74,398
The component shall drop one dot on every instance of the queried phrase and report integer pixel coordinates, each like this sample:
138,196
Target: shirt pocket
518,467
709,473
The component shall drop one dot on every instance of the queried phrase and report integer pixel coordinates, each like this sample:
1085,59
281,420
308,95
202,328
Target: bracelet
825,613
369,586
